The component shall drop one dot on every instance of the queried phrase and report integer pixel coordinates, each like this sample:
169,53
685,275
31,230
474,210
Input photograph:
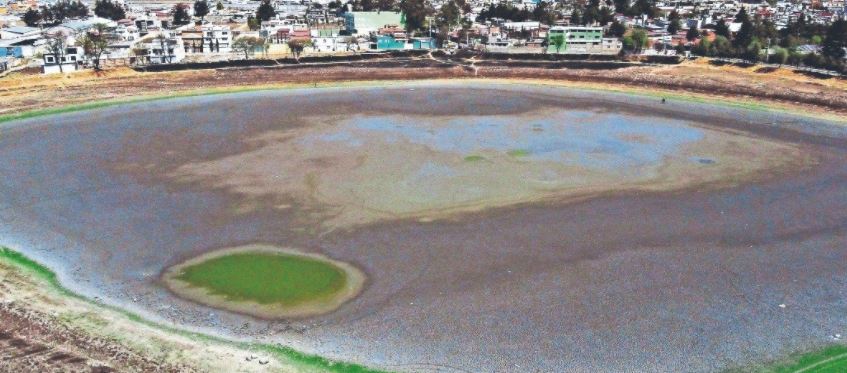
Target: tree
296,46
56,44
628,44
557,41
542,13
742,16
639,39
248,44
220,6
108,9
621,6
721,29
836,40
180,14
744,36
617,29
703,48
62,10
415,13
32,17
385,5
449,14
674,25
721,47
253,23
753,51
644,7
780,56
693,33
94,42
266,11
201,9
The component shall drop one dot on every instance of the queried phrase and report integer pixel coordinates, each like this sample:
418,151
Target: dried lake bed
499,227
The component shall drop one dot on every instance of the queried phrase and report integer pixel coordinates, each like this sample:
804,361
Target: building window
49,59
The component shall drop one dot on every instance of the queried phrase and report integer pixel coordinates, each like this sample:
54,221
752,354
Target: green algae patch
474,158
519,153
266,282
832,359
266,278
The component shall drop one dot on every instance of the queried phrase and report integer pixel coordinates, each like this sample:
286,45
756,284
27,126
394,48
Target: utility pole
768,52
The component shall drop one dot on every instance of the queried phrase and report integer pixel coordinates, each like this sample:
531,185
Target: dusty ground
779,241
793,91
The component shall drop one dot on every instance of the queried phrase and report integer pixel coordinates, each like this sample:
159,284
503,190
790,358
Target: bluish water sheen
586,138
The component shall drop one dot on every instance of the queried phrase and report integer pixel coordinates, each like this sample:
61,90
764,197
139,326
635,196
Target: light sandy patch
358,176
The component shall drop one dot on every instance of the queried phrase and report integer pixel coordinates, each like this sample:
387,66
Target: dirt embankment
782,87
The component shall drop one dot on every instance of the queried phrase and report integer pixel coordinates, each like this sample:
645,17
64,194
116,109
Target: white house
69,61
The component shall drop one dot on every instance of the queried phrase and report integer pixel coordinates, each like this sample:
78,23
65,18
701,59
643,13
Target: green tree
628,44
692,34
542,13
639,39
56,44
60,11
220,6
721,47
94,42
617,29
742,16
721,29
201,9
32,17
180,14
704,48
253,23
836,40
449,14
780,56
621,6
557,41
753,51
297,46
415,13
266,11
108,9
644,7
674,25
248,45
385,5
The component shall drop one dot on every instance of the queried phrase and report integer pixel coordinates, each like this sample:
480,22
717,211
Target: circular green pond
265,281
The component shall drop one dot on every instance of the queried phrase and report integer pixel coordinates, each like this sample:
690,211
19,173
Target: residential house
70,60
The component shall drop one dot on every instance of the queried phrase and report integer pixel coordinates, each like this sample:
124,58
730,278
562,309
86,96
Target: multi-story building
582,40
207,39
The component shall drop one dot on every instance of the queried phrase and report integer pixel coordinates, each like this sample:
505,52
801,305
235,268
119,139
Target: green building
577,39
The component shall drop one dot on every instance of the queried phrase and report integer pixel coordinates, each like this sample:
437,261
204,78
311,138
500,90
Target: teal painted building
388,42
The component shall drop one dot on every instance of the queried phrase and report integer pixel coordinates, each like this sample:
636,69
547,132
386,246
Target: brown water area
500,227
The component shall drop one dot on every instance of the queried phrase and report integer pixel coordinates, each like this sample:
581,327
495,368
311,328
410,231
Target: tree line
756,35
